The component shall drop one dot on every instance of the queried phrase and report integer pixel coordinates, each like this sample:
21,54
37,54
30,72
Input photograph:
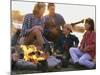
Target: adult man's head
51,8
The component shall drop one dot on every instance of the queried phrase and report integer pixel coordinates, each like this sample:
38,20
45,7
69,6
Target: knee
81,61
36,31
72,49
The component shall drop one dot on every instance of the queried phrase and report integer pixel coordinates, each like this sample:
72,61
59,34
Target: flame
35,57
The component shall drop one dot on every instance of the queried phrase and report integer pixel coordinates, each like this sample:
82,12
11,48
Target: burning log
31,53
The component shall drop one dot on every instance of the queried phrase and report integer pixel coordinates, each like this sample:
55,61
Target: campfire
33,54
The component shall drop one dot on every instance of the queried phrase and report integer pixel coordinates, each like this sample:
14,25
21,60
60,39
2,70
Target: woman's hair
37,7
51,4
91,23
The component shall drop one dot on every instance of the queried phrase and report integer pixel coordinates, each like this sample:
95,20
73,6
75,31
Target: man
53,17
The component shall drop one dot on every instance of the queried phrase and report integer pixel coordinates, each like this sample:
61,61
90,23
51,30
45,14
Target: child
85,53
66,40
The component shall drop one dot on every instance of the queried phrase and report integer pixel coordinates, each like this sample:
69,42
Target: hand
54,30
37,27
87,49
81,48
29,30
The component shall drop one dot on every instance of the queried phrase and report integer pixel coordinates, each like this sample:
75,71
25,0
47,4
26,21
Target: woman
85,54
33,25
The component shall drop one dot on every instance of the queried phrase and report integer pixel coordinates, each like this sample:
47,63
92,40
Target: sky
70,12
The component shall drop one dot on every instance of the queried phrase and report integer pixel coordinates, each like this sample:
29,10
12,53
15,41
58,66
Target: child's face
65,30
87,26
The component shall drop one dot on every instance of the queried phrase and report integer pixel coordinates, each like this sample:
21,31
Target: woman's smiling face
42,10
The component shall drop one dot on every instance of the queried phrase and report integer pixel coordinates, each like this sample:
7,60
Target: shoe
77,65
80,67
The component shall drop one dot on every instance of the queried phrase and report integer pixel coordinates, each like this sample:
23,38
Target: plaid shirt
89,42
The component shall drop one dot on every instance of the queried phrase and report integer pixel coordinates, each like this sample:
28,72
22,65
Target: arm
92,44
90,47
26,25
81,47
76,41
62,21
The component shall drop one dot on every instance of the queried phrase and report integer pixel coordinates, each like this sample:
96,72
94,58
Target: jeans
82,58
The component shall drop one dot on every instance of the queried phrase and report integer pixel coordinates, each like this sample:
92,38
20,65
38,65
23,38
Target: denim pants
82,58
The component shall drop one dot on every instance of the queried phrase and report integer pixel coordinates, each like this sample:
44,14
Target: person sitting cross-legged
85,53
65,41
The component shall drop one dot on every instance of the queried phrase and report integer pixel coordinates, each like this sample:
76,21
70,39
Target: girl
85,53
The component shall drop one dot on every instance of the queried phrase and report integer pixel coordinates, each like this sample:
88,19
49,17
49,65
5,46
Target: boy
65,41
